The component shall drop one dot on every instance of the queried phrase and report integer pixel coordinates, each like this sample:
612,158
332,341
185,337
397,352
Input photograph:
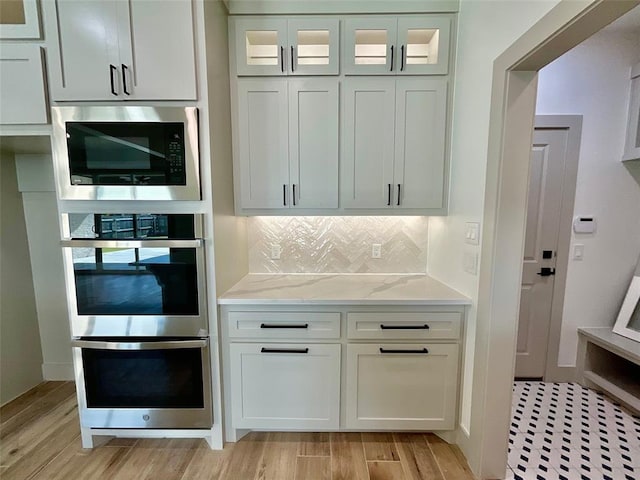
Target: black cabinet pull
389,196
282,59
402,58
280,325
284,195
404,327
546,272
294,194
284,350
124,79
113,68
422,350
391,69
292,62
398,194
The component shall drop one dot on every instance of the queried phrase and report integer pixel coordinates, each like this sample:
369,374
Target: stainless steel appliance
143,382
126,153
137,275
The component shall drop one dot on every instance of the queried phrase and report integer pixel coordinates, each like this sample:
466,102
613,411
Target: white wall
20,356
593,80
35,179
485,30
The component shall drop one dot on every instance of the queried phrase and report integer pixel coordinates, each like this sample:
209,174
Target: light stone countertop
341,289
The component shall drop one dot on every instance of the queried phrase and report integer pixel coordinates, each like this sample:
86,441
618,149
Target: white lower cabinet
401,386
285,386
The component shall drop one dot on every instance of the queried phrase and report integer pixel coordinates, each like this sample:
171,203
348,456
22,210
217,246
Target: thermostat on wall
584,225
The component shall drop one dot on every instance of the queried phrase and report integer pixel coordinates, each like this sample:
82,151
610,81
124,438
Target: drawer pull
404,327
284,350
280,325
422,350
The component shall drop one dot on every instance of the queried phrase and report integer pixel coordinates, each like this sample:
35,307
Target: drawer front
402,386
404,326
282,325
285,386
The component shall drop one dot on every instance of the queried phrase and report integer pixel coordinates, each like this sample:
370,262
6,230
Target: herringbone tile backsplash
338,244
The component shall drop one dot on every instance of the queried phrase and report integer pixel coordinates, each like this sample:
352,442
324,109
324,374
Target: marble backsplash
338,244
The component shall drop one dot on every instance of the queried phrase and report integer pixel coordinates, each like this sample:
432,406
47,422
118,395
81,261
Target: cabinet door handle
389,195
112,68
124,79
402,58
282,59
391,69
294,194
398,194
422,350
292,60
284,350
404,327
281,325
284,195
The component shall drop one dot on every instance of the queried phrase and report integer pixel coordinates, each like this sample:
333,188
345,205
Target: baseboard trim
561,374
58,371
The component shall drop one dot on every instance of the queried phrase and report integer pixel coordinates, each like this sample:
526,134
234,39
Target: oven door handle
173,344
91,243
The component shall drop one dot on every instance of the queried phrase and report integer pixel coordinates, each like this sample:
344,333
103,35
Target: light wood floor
40,439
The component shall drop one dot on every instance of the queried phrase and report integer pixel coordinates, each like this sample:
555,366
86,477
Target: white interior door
541,244
313,145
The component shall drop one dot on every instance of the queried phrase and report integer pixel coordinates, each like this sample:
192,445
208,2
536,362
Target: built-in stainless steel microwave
126,153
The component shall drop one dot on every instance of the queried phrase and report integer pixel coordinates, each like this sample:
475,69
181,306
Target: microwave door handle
97,243
170,345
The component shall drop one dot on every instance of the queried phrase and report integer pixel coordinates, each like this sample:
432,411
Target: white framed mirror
628,321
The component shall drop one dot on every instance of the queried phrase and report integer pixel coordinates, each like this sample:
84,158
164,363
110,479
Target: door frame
513,102
573,124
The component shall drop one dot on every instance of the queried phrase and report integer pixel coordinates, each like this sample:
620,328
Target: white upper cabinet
287,144
406,45
122,50
632,144
22,86
280,46
394,137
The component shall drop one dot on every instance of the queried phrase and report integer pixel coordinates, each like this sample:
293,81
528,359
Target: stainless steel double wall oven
136,282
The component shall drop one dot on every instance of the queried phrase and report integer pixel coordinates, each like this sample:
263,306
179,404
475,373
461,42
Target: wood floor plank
279,458
385,471
416,457
313,468
22,442
98,463
38,408
447,459
25,400
314,444
121,442
245,457
174,459
379,446
347,457
139,462
207,464
45,450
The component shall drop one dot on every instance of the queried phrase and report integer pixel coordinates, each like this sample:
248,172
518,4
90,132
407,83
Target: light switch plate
470,262
472,233
578,251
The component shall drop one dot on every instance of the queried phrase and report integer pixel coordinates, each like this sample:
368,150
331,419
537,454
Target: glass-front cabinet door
281,46
260,45
404,45
423,44
314,46
369,45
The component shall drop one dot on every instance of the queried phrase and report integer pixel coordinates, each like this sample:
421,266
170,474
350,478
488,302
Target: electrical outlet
276,250
376,250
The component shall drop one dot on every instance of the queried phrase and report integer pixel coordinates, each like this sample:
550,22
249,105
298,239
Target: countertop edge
299,301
